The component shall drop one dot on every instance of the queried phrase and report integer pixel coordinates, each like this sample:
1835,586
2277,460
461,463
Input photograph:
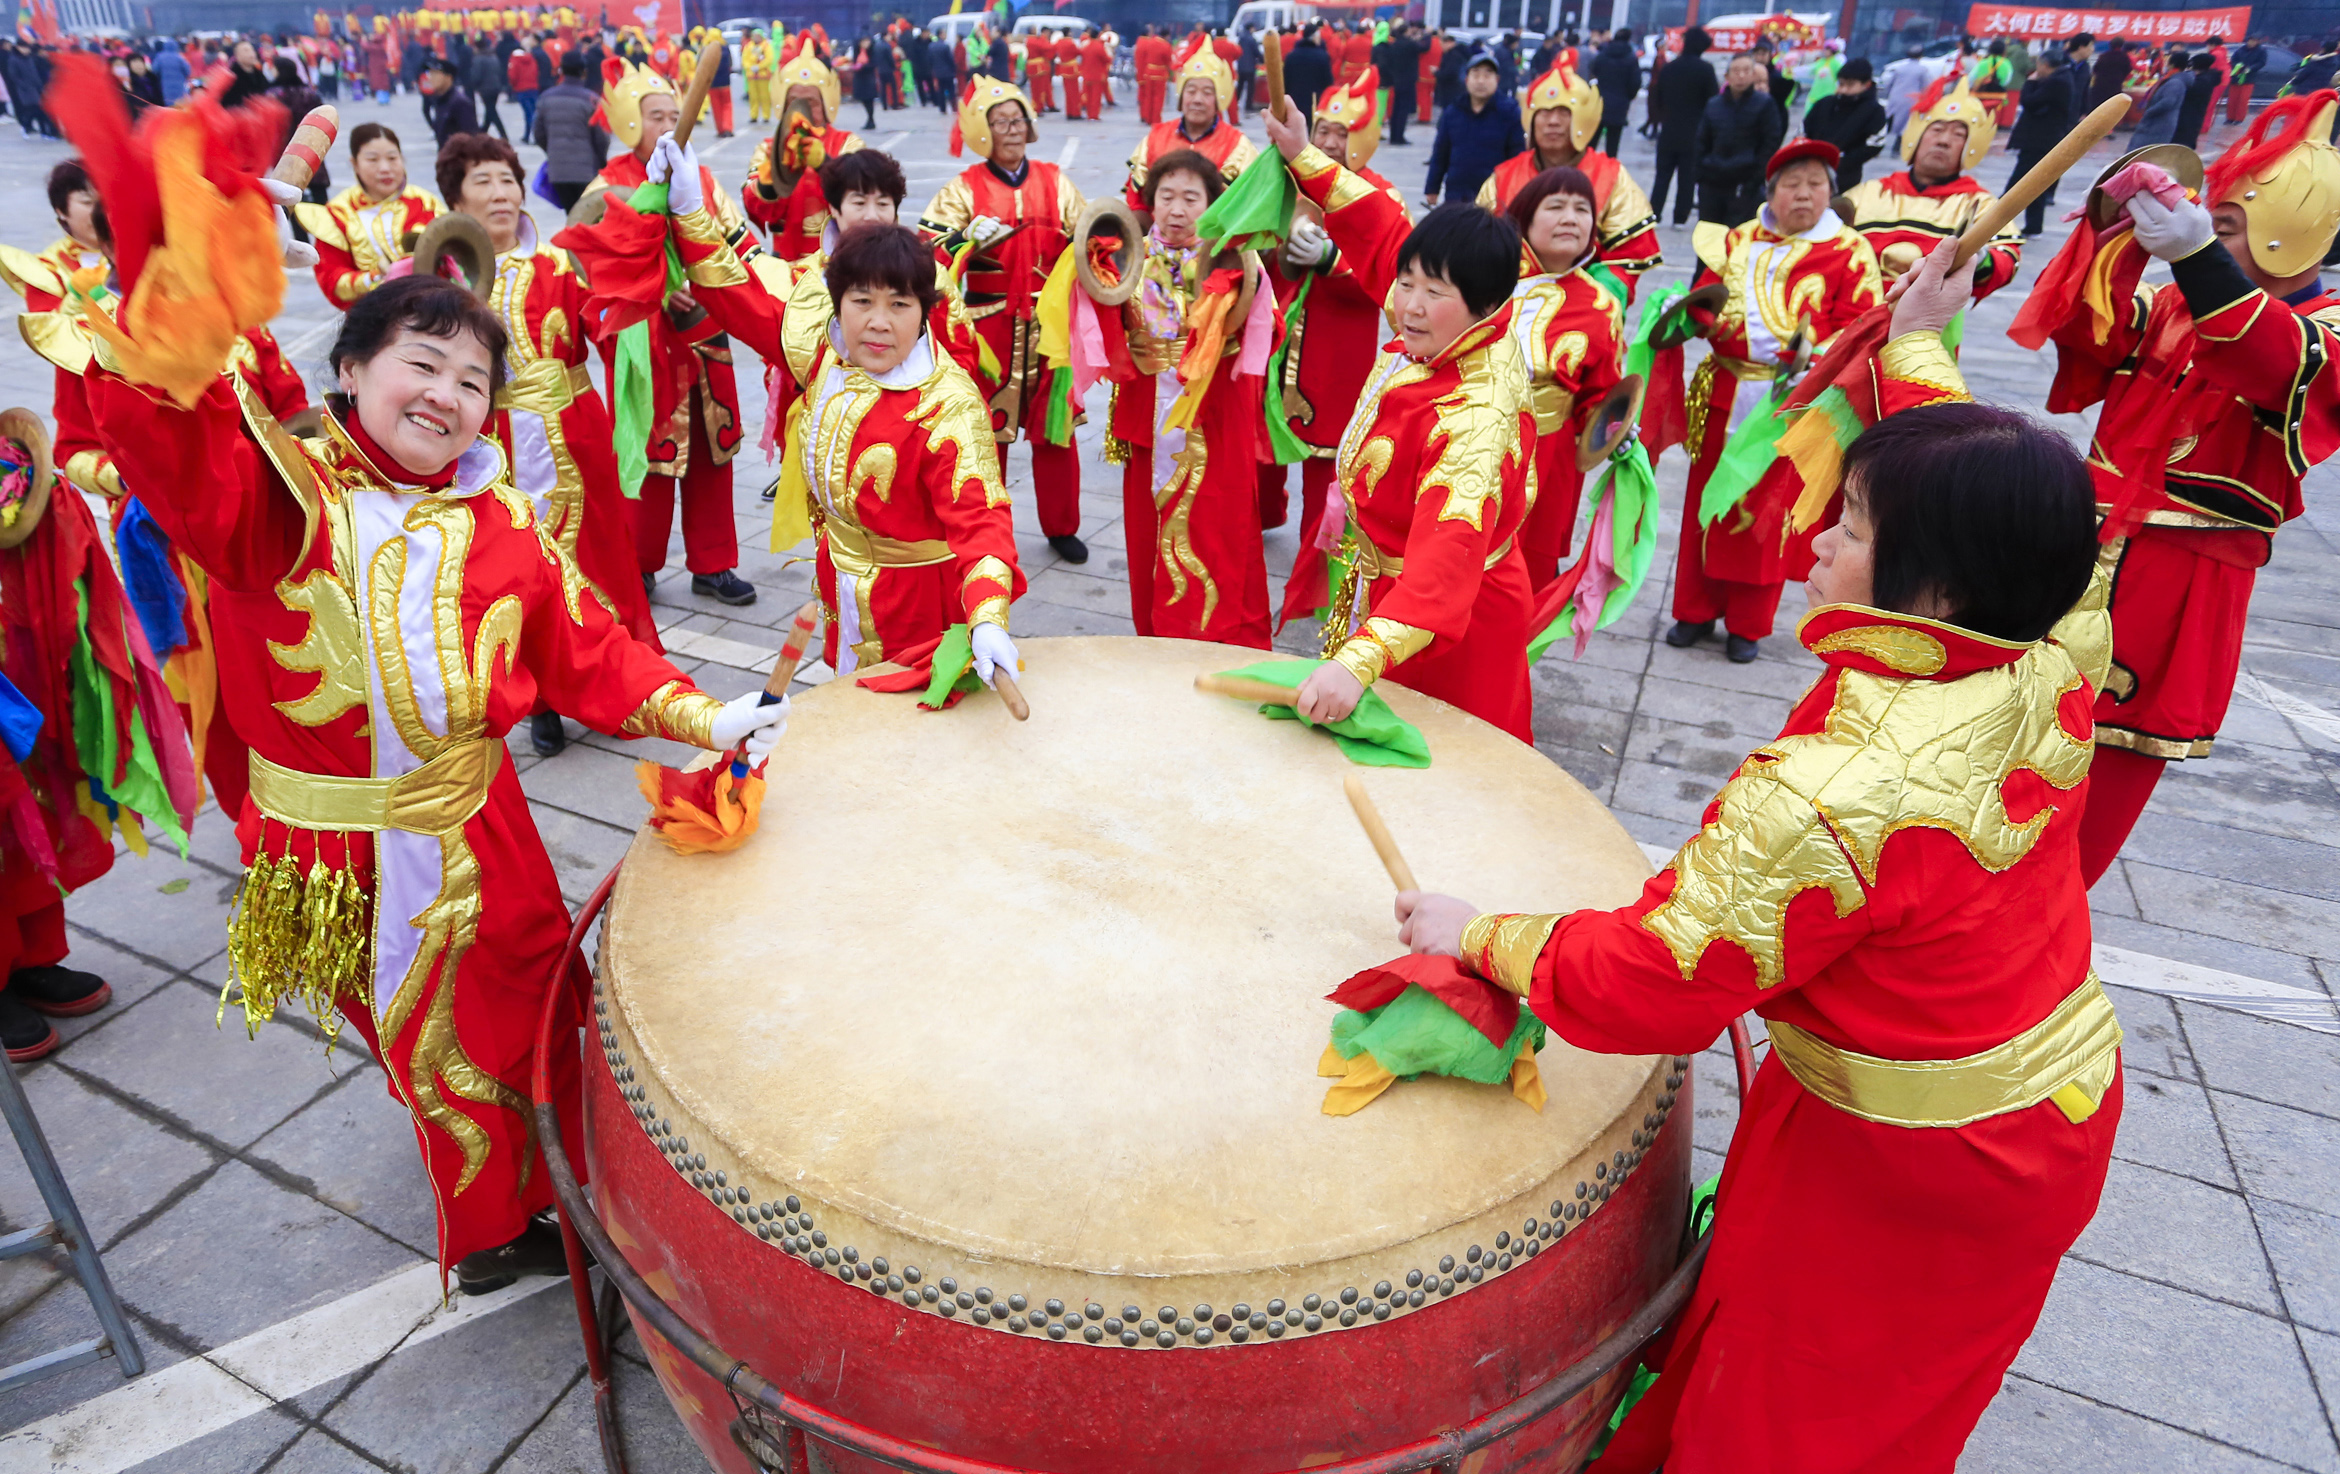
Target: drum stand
775,1429
65,1229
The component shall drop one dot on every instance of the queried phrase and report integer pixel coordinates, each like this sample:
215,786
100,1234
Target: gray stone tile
2261,860
241,1253
318,1453
2112,896
131,977
355,1151
1666,793
2282,1153
2305,1248
2179,944
2244,913
2231,1375
513,1366
2180,1232
592,783
2031,1427
1717,1101
131,907
60,1318
2166,1123
1567,724
568,1440
1696,749
1042,617
1571,686
2271,790
2323,1354
2255,1056
116,1164
1597,771
242,1446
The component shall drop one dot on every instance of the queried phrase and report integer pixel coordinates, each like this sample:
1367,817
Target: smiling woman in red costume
1894,885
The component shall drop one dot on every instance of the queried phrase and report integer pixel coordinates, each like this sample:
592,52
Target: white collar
1822,228
912,371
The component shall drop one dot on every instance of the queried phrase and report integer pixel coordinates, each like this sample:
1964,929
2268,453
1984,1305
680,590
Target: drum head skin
1041,1003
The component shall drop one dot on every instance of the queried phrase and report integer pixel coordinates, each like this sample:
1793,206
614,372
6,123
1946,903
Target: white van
1271,15
1055,25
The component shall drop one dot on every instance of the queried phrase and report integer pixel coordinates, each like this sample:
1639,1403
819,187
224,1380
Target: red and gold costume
379,637
2217,398
1224,145
1901,222
1352,54
904,479
1571,331
555,429
1811,284
1150,57
1886,1232
1426,79
1040,71
1435,466
1333,337
695,424
358,239
1624,225
1096,65
1003,283
783,194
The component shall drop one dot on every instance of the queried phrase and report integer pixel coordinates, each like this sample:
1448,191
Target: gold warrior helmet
974,122
1944,103
1562,87
803,67
1201,61
624,85
1356,106
2284,175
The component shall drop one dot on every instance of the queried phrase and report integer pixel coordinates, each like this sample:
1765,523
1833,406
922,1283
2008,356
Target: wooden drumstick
1244,688
1009,695
792,649
1384,844
702,82
311,142
1271,59
2092,130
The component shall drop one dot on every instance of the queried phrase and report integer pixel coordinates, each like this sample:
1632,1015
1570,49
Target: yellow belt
1552,404
858,552
1372,563
544,386
2067,1057
436,798
1744,369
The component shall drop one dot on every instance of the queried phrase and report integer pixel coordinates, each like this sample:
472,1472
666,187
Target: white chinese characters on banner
2230,23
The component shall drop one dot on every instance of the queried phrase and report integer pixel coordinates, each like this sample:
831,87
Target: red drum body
974,1100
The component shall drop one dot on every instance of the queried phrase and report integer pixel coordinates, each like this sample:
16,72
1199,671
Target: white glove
749,720
1309,246
298,255
984,229
2167,233
676,165
993,650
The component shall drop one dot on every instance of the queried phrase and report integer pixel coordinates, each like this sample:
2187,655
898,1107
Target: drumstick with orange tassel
713,809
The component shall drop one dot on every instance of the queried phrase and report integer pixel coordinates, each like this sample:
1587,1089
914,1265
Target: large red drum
975,1099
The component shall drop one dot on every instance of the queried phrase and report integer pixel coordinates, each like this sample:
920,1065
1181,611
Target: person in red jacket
1151,59
1904,214
1205,88
1040,71
1564,116
1096,73
783,189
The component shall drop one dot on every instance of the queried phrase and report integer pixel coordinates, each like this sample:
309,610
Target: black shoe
27,1035
1684,634
649,585
1071,549
547,733
536,1251
1740,649
726,587
59,992
770,493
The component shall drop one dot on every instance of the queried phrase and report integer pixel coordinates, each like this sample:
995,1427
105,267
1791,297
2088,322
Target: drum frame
775,1428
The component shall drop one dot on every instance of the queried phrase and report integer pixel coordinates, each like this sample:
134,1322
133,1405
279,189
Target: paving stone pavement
235,1183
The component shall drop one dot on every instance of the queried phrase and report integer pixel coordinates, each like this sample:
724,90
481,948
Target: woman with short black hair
1893,883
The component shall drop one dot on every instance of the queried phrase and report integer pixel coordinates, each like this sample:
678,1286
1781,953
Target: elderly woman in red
1894,884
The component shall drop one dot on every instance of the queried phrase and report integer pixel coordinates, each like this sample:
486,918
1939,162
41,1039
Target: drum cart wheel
775,1429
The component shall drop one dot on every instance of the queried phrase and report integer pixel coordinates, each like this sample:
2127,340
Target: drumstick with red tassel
713,809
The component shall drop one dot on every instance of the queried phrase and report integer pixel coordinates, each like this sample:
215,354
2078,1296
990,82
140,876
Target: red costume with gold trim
914,529
1435,467
1040,71
783,193
1814,284
1902,222
1571,331
378,639
1150,57
1624,225
1882,1247
358,239
1096,65
1003,283
1224,145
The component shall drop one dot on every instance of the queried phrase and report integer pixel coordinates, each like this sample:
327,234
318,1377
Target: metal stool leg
64,1228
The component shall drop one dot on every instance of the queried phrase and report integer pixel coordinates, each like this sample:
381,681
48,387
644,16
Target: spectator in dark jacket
1446,86
2099,79
1851,115
1737,136
574,149
1398,60
946,74
1475,135
2158,122
27,74
865,83
1679,95
1617,73
1779,84
2194,110
446,105
487,84
1308,71
595,54
2044,118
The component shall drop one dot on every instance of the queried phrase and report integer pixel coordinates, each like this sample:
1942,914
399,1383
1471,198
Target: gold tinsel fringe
1340,617
1116,450
308,941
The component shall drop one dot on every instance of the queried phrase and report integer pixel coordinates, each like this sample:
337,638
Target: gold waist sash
436,798
1155,356
1372,563
1744,369
1552,405
2067,1057
544,386
858,552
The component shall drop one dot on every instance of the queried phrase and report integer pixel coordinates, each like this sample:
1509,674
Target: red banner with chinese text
2155,27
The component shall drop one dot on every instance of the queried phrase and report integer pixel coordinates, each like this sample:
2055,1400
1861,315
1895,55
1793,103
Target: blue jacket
1470,144
172,68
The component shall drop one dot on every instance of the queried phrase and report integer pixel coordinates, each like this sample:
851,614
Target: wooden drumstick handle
1384,844
702,82
792,649
1010,696
2091,131
1271,60
311,142
1244,688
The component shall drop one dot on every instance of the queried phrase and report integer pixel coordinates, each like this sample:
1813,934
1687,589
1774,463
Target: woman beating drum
1435,463
1897,881
387,606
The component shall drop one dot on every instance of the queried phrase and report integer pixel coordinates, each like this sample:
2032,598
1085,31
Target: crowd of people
328,617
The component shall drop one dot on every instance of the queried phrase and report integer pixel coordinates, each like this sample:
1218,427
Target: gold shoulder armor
1706,238
58,337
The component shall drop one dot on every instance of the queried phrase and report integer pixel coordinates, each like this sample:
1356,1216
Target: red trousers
1746,609
1093,93
720,100
1150,98
2119,784
1056,482
1232,553
710,535
1072,95
1551,522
